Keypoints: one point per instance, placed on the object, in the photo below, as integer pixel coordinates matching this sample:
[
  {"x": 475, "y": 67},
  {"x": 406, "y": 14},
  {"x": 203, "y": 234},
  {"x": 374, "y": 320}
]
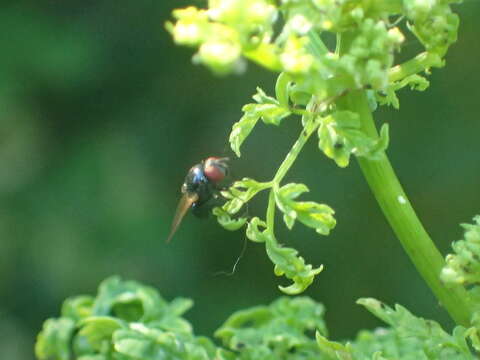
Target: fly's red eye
[{"x": 215, "y": 169}]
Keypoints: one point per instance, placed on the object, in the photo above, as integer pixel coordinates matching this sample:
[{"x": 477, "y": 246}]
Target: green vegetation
[{"x": 331, "y": 88}]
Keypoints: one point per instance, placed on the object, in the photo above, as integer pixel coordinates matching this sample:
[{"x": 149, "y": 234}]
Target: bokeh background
[{"x": 100, "y": 118}]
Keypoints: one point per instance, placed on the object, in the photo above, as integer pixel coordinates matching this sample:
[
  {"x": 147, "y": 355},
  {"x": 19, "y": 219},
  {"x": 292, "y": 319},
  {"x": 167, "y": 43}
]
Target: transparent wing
[{"x": 184, "y": 204}]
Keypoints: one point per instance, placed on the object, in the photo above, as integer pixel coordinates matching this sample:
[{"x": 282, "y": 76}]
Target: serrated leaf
[
  {"x": 240, "y": 193},
  {"x": 289, "y": 221},
  {"x": 317, "y": 216},
  {"x": 253, "y": 230},
  {"x": 97, "y": 329},
  {"x": 332, "y": 349},
  {"x": 267, "y": 108},
  {"x": 389, "y": 96},
  {"x": 292, "y": 191},
  {"x": 53, "y": 342},
  {"x": 262, "y": 98},
  {"x": 128, "y": 300},
  {"x": 377, "y": 151},
  {"x": 78, "y": 307},
  {"x": 179, "y": 306},
  {"x": 245, "y": 189},
  {"x": 156, "y": 332},
  {"x": 141, "y": 342},
  {"x": 144, "y": 343},
  {"x": 226, "y": 221},
  {"x": 340, "y": 136},
  {"x": 276, "y": 331},
  {"x": 415, "y": 336},
  {"x": 272, "y": 114},
  {"x": 299, "y": 95},
  {"x": 288, "y": 263},
  {"x": 241, "y": 130}
]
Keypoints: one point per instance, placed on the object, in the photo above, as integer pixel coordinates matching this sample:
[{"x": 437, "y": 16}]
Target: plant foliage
[
  {"x": 129, "y": 321},
  {"x": 289, "y": 37},
  {"x": 329, "y": 87}
]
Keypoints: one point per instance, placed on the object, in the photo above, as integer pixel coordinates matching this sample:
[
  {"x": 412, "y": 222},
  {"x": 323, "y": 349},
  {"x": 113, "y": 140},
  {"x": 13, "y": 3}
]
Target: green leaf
[
  {"x": 53, "y": 342},
  {"x": 253, "y": 230},
  {"x": 262, "y": 98},
  {"x": 411, "y": 337},
  {"x": 389, "y": 96},
  {"x": 98, "y": 329},
  {"x": 381, "y": 145},
  {"x": 317, "y": 216},
  {"x": 340, "y": 136},
  {"x": 288, "y": 263},
  {"x": 94, "y": 357},
  {"x": 282, "y": 88},
  {"x": 139, "y": 324},
  {"x": 78, "y": 307},
  {"x": 179, "y": 306},
  {"x": 267, "y": 108},
  {"x": 242, "y": 129},
  {"x": 332, "y": 349},
  {"x": 272, "y": 114},
  {"x": 140, "y": 342},
  {"x": 300, "y": 94},
  {"x": 128, "y": 300},
  {"x": 226, "y": 221},
  {"x": 277, "y": 331},
  {"x": 240, "y": 193},
  {"x": 145, "y": 343}
]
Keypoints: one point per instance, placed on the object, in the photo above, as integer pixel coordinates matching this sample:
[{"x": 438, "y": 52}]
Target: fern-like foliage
[
  {"x": 289, "y": 37},
  {"x": 130, "y": 321}
]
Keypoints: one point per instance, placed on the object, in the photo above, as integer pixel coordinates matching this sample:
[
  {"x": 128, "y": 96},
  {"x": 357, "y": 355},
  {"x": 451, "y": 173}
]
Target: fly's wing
[{"x": 185, "y": 203}]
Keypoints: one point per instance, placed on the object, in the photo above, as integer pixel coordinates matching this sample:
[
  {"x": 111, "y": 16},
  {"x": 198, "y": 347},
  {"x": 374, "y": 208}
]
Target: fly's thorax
[
  {"x": 198, "y": 184},
  {"x": 195, "y": 177}
]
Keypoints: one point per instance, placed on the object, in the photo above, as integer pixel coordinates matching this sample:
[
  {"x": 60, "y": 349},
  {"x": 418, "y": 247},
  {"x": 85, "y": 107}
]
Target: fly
[{"x": 200, "y": 185}]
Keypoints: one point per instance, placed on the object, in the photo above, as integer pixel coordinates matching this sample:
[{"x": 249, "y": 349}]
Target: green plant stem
[
  {"x": 310, "y": 126},
  {"x": 402, "y": 218},
  {"x": 419, "y": 63},
  {"x": 271, "y": 213},
  {"x": 287, "y": 163}
]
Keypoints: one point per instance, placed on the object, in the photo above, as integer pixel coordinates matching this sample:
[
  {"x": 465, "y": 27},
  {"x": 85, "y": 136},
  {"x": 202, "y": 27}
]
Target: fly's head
[{"x": 215, "y": 168}]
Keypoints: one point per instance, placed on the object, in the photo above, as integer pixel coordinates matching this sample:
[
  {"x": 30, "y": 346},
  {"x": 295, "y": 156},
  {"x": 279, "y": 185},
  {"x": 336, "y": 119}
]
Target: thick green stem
[{"x": 402, "y": 218}]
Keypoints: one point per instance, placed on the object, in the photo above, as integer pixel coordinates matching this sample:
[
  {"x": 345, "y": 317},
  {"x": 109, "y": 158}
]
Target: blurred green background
[{"x": 100, "y": 118}]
